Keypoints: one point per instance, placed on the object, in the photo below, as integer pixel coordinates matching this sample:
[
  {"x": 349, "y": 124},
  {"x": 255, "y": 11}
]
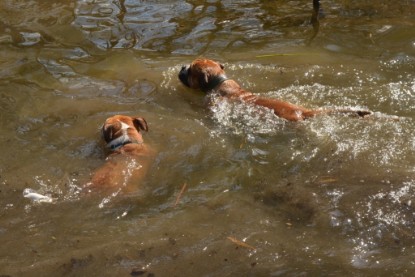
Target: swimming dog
[
  {"x": 130, "y": 157},
  {"x": 209, "y": 76}
]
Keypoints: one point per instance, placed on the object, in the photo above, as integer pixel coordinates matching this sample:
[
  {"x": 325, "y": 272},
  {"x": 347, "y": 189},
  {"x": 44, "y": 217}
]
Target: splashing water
[
  {"x": 241, "y": 118},
  {"x": 132, "y": 165}
]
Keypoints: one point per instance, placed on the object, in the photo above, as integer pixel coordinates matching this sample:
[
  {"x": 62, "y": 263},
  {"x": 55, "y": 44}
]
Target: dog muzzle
[{"x": 184, "y": 75}]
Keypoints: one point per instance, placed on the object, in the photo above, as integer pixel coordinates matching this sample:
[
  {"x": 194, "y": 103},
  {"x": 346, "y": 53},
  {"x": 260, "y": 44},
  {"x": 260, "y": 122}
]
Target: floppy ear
[
  {"x": 203, "y": 80},
  {"x": 205, "y": 76},
  {"x": 140, "y": 123}
]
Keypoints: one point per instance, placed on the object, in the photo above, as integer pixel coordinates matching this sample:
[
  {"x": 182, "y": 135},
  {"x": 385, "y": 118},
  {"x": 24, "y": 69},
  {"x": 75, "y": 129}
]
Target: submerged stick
[
  {"x": 241, "y": 243},
  {"x": 315, "y": 20},
  {"x": 180, "y": 194}
]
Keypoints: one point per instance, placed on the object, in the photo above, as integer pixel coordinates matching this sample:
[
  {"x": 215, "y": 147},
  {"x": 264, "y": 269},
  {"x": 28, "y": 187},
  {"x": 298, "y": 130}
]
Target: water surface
[{"x": 264, "y": 197}]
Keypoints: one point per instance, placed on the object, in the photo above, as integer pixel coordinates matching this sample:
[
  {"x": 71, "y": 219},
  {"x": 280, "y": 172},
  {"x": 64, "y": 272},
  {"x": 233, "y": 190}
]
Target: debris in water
[
  {"x": 180, "y": 194},
  {"x": 140, "y": 272},
  {"x": 241, "y": 243},
  {"x": 36, "y": 197},
  {"x": 328, "y": 180}
]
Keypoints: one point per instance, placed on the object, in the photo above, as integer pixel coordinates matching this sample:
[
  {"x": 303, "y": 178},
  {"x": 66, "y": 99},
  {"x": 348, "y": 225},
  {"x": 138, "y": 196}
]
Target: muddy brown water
[{"x": 264, "y": 197}]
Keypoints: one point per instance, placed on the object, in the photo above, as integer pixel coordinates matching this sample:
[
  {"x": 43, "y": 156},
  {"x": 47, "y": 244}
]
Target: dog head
[
  {"x": 202, "y": 74},
  {"x": 120, "y": 130}
]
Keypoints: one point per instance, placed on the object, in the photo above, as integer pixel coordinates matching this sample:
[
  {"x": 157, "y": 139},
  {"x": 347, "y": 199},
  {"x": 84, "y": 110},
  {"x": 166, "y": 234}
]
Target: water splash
[
  {"x": 242, "y": 118},
  {"x": 400, "y": 197},
  {"x": 108, "y": 199},
  {"x": 169, "y": 82},
  {"x": 378, "y": 140},
  {"x": 131, "y": 166},
  {"x": 382, "y": 218}
]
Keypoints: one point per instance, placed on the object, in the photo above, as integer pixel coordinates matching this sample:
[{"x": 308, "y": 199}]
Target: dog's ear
[
  {"x": 203, "y": 80},
  {"x": 205, "y": 76},
  {"x": 140, "y": 123},
  {"x": 221, "y": 66}
]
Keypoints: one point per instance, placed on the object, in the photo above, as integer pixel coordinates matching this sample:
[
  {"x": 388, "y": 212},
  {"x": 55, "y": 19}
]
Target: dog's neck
[
  {"x": 122, "y": 140},
  {"x": 214, "y": 82}
]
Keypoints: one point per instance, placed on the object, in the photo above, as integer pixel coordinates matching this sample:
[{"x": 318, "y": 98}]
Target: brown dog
[
  {"x": 209, "y": 76},
  {"x": 130, "y": 157}
]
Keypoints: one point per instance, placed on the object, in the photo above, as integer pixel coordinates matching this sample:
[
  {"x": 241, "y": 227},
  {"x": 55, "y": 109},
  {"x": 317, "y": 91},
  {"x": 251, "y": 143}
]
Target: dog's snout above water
[{"x": 183, "y": 75}]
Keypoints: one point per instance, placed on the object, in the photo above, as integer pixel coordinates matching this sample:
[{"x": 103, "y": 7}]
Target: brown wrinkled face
[
  {"x": 121, "y": 125},
  {"x": 199, "y": 73}
]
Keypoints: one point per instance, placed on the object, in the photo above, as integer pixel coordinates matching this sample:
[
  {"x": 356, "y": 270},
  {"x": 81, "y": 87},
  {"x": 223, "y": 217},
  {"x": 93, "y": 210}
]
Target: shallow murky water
[{"x": 263, "y": 197}]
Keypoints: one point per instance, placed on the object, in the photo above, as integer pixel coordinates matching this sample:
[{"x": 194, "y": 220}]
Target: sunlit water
[{"x": 263, "y": 197}]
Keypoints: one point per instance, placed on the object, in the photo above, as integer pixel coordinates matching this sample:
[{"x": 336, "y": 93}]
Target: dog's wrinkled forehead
[
  {"x": 116, "y": 123},
  {"x": 203, "y": 64},
  {"x": 114, "y": 127}
]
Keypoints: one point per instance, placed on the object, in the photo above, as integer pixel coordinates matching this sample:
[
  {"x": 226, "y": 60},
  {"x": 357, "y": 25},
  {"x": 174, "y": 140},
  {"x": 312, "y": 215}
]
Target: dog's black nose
[{"x": 184, "y": 74}]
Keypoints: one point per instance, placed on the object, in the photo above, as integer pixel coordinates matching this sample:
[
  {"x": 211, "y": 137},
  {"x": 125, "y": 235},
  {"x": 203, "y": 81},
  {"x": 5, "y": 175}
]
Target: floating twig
[
  {"x": 180, "y": 194},
  {"x": 282, "y": 54}
]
